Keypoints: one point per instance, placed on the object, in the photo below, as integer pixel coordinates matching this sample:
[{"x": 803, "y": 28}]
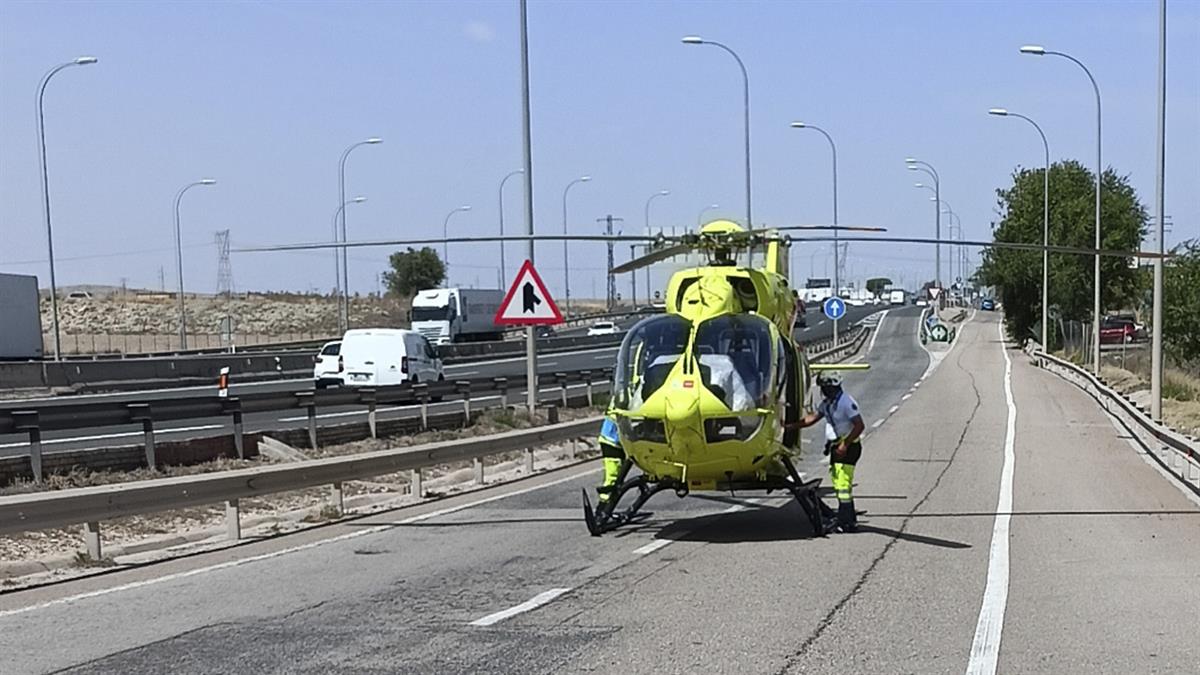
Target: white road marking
[
  {"x": 293, "y": 549},
  {"x": 877, "y": 424},
  {"x": 906, "y": 397},
  {"x": 530, "y": 604},
  {"x": 123, "y": 434},
  {"x": 875, "y": 335},
  {"x": 651, "y": 547},
  {"x": 892, "y": 410},
  {"x": 985, "y": 649}
]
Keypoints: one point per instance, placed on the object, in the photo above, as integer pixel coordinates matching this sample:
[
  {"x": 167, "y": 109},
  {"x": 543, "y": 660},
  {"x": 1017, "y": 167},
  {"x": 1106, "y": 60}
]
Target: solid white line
[
  {"x": 875, "y": 335},
  {"x": 533, "y": 603},
  {"x": 985, "y": 649},
  {"x": 123, "y": 434},
  {"x": 293, "y": 549}
]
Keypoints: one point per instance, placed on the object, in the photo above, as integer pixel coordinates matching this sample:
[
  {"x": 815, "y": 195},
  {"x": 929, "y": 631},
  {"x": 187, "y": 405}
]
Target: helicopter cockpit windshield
[
  {"x": 734, "y": 354},
  {"x": 648, "y": 354}
]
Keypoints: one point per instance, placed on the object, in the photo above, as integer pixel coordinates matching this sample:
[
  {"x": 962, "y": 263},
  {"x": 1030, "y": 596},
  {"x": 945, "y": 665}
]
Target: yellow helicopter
[{"x": 708, "y": 396}]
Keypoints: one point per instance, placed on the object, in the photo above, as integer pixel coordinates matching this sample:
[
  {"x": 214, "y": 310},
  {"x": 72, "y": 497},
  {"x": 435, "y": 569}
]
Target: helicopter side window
[
  {"x": 739, "y": 367},
  {"x": 648, "y": 354}
]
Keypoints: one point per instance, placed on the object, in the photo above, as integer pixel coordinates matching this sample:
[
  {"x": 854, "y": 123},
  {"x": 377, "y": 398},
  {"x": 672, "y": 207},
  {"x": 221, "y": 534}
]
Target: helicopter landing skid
[{"x": 604, "y": 517}]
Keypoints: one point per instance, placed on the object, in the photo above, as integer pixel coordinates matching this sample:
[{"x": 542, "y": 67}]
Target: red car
[{"x": 1117, "y": 331}]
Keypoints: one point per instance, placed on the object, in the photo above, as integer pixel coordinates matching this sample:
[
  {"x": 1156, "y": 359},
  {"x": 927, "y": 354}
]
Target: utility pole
[
  {"x": 1160, "y": 165},
  {"x": 531, "y": 369},
  {"x": 611, "y": 291}
]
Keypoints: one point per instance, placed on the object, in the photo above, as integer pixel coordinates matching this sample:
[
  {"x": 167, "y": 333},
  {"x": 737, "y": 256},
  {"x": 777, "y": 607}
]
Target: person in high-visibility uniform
[
  {"x": 840, "y": 411},
  {"x": 614, "y": 456}
]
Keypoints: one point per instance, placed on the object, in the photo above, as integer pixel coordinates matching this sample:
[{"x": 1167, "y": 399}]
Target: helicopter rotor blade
[
  {"x": 652, "y": 257},
  {"x": 627, "y": 238},
  {"x": 1012, "y": 245}
]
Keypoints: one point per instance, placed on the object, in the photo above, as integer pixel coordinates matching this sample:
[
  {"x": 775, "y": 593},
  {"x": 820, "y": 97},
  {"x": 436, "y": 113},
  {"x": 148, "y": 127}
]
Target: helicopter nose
[{"x": 683, "y": 424}]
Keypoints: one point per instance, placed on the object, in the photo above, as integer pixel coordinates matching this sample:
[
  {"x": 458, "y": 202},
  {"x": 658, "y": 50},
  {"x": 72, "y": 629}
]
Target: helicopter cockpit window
[
  {"x": 648, "y": 354},
  {"x": 734, "y": 353}
]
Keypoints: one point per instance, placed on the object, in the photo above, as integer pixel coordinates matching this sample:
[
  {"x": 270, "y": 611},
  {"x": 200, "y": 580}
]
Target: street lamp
[
  {"x": 660, "y": 193},
  {"x": 446, "y": 238},
  {"x": 917, "y": 165},
  {"x": 710, "y": 207},
  {"x": 566, "y": 264},
  {"x": 345, "y": 290},
  {"x": 179, "y": 258},
  {"x": 837, "y": 276},
  {"x": 695, "y": 40},
  {"x": 1001, "y": 112},
  {"x": 41, "y": 128},
  {"x": 337, "y": 264},
  {"x": 503, "y": 271},
  {"x": 1038, "y": 50}
]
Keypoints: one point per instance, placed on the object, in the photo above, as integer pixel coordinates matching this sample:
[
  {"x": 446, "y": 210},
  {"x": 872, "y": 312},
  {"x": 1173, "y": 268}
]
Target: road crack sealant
[{"x": 829, "y": 617}]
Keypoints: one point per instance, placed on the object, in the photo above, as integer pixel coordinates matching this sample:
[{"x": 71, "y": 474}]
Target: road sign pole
[{"x": 531, "y": 369}]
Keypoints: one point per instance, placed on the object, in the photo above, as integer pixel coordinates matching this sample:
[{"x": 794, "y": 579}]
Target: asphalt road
[{"x": 1098, "y": 563}]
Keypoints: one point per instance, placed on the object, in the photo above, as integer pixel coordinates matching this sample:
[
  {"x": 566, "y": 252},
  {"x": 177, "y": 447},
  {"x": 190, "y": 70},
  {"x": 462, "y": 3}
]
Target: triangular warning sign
[
  {"x": 528, "y": 302},
  {"x": 934, "y": 291}
]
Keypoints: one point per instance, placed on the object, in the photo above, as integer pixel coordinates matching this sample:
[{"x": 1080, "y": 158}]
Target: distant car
[
  {"x": 1139, "y": 329},
  {"x": 327, "y": 368},
  {"x": 544, "y": 332},
  {"x": 987, "y": 304},
  {"x": 1117, "y": 331},
  {"x": 376, "y": 357},
  {"x": 921, "y": 302},
  {"x": 603, "y": 328}
]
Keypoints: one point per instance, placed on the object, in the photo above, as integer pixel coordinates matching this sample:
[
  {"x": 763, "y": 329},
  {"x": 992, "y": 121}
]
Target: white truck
[
  {"x": 21, "y": 329},
  {"x": 897, "y": 296},
  {"x": 445, "y": 315}
]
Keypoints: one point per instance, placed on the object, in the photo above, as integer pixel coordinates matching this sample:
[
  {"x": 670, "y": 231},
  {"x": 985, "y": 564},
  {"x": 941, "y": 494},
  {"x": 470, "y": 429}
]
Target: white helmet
[{"x": 829, "y": 378}]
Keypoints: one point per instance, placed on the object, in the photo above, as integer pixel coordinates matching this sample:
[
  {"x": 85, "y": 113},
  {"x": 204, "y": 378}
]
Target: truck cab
[{"x": 446, "y": 315}]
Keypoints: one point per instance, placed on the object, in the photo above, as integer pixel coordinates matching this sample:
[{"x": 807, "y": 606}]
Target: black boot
[{"x": 847, "y": 516}]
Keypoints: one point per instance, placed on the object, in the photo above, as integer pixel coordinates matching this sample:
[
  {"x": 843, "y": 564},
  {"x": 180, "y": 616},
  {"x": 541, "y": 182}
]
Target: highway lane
[
  {"x": 52, "y": 441},
  {"x": 402, "y": 598},
  {"x": 1098, "y": 561},
  {"x": 17, "y": 444}
]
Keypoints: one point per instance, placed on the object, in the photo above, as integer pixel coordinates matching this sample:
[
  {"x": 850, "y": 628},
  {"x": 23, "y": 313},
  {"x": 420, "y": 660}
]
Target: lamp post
[
  {"x": 566, "y": 261},
  {"x": 837, "y": 272},
  {"x": 446, "y": 238},
  {"x": 660, "y": 193},
  {"x": 337, "y": 264},
  {"x": 41, "y": 129},
  {"x": 710, "y": 207},
  {"x": 1002, "y": 112},
  {"x": 695, "y": 40},
  {"x": 503, "y": 270},
  {"x": 345, "y": 289},
  {"x": 1038, "y": 50},
  {"x": 918, "y": 165},
  {"x": 179, "y": 258}
]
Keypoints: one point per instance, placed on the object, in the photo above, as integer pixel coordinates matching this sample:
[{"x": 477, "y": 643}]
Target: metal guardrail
[
  {"x": 1186, "y": 453},
  {"x": 91, "y": 505}
]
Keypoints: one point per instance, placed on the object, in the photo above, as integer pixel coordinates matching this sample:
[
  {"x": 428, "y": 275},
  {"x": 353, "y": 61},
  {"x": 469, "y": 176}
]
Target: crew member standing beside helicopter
[{"x": 840, "y": 411}]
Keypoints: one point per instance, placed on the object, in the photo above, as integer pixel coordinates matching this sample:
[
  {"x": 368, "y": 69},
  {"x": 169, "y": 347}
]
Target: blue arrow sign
[{"x": 835, "y": 308}]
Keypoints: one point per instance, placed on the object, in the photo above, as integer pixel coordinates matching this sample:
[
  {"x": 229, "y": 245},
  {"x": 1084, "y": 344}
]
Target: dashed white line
[
  {"x": 905, "y": 397},
  {"x": 985, "y": 649},
  {"x": 123, "y": 434},
  {"x": 877, "y": 424},
  {"x": 293, "y": 549},
  {"x": 651, "y": 547},
  {"x": 892, "y": 410},
  {"x": 530, "y": 604}
]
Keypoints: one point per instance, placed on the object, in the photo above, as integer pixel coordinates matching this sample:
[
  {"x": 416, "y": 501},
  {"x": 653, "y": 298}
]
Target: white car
[
  {"x": 327, "y": 368},
  {"x": 603, "y": 328},
  {"x": 375, "y": 357}
]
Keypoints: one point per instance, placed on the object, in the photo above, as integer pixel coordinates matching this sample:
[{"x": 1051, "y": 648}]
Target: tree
[
  {"x": 1017, "y": 275},
  {"x": 1181, "y": 303},
  {"x": 877, "y": 285},
  {"x": 413, "y": 271}
]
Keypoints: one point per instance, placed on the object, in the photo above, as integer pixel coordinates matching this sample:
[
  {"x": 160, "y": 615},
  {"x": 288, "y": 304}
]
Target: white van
[{"x": 375, "y": 357}]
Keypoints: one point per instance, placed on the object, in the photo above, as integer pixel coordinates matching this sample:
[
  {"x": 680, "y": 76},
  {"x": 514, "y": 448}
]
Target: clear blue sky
[{"x": 265, "y": 96}]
